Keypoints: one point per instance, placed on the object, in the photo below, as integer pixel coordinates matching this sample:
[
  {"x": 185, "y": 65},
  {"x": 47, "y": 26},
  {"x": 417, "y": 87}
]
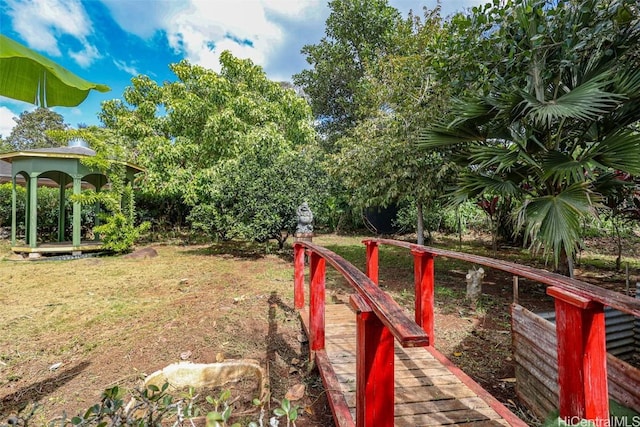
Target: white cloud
[
  {"x": 127, "y": 68},
  {"x": 144, "y": 17},
  {"x": 41, "y": 22},
  {"x": 6, "y": 121},
  {"x": 200, "y": 30},
  {"x": 85, "y": 57}
]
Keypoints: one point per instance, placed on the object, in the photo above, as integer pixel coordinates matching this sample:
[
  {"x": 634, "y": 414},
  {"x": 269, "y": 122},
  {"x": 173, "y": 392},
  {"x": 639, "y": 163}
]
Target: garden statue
[
  {"x": 474, "y": 285},
  {"x": 304, "y": 227}
]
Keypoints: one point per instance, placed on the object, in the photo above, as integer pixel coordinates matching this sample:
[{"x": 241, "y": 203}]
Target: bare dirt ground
[{"x": 70, "y": 329}]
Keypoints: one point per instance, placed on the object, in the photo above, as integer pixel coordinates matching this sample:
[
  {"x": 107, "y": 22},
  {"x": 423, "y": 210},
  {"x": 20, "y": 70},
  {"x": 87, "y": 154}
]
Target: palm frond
[
  {"x": 442, "y": 136},
  {"x": 562, "y": 168},
  {"x": 472, "y": 185},
  {"x": 628, "y": 83},
  {"x": 495, "y": 157},
  {"x": 588, "y": 101},
  {"x": 554, "y": 221},
  {"x": 470, "y": 112},
  {"x": 620, "y": 150}
]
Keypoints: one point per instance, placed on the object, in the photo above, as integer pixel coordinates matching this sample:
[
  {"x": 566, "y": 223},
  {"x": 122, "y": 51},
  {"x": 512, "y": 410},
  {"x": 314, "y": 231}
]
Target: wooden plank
[
  {"x": 374, "y": 368},
  {"x": 546, "y": 377},
  {"x": 539, "y": 399},
  {"x": 424, "y": 385},
  {"x": 348, "y": 381},
  {"x": 537, "y": 379},
  {"x": 317, "y": 324},
  {"x": 529, "y": 355},
  {"x": 447, "y": 418},
  {"x": 344, "y": 348},
  {"x": 437, "y": 375},
  {"x": 624, "y": 382},
  {"x": 488, "y": 423},
  {"x": 463, "y": 403},
  {"x": 341, "y": 414},
  {"x": 539, "y": 332},
  {"x": 423, "y": 394},
  {"x": 428, "y": 368},
  {"x": 482, "y": 393}
]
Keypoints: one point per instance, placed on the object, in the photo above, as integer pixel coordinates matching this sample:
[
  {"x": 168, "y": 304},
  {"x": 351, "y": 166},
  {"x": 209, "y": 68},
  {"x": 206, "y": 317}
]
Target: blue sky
[{"x": 110, "y": 41}]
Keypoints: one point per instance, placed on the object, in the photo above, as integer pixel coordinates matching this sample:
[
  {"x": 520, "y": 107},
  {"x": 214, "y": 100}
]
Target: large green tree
[
  {"x": 231, "y": 144},
  {"x": 378, "y": 160},
  {"x": 557, "y": 115},
  {"x": 357, "y": 33},
  {"x": 30, "y": 129}
]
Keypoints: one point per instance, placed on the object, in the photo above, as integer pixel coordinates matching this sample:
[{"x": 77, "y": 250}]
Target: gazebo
[{"x": 62, "y": 165}]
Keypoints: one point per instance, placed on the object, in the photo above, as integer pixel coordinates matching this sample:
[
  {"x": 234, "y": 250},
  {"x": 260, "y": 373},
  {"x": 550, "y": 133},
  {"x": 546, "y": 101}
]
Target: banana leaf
[{"x": 27, "y": 76}]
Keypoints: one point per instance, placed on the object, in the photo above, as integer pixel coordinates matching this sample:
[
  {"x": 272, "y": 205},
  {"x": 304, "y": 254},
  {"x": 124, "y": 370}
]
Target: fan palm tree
[{"x": 558, "y": 119}]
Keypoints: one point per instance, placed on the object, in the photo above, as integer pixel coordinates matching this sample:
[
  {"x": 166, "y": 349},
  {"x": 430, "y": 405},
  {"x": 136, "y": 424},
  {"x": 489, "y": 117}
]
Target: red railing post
[
  {"x": 372, "y": 260},
  {"x": 582, "y": 357},
  {"x": 423, "y": 270},
  {"x": 298, "y": 276},
  {"x": 316, "y": 301},
  {"x": 375, "y": 387}
]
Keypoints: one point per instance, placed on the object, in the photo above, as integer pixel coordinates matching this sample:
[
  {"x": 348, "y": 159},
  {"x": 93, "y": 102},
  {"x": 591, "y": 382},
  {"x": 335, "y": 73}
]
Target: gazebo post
[
  {"x": 61, "y": 209},
  {"x": 77, "y": 211},
  {"x": 33, "y": 210},
  {"x": 14, "y": 202}
]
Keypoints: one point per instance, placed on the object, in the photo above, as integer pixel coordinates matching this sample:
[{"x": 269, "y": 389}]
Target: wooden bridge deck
[{"x": 429, "y": 389}]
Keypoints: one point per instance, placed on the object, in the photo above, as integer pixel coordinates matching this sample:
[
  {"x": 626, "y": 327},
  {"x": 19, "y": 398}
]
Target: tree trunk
[
  {"x": 494, "y": 236},
  {"x": 565, "y": 267},
  {"x": 420, "y": 225},
  {"x": 619, "y": 246}
]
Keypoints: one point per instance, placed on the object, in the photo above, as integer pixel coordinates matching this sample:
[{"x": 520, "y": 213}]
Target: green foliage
[
  {"x": 357, "y": 33},
  {"x": 164, "y": 213},
  {"x": 30, "y": 130},
  {"x": 221, "y": 413},
  {"x": 48, "y": 210},
  {"x": 256, "y": 197},
  {"x": 372, "y": 116},
  {"x": 463, "y": 217},
  {"x": 119, "y": 229},
  {"x": 5, "y": 203},
  {"x": 287, "y": 410},
  {"x": 155, "y": 407},
  {"x": 236, "y": 148},
  {"x": 554, "y": 113}
]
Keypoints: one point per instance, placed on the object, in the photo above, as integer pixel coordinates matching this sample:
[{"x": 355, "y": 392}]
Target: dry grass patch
[{"x": 70, "y": 329}]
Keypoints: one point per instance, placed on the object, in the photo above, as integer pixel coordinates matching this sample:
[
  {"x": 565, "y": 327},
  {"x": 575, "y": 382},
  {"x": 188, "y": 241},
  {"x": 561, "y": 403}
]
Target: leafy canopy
[{"x": 231, "y": 144}]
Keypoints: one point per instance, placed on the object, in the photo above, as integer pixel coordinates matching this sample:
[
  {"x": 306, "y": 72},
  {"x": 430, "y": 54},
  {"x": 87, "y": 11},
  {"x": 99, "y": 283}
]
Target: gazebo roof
[
  {"x": 55, "y": 152},
  {"x": 69, "y": 152}
]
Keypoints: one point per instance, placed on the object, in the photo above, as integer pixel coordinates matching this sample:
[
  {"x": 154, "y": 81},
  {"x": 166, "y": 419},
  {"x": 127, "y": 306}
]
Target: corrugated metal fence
[{"x": 623, "y": 330}]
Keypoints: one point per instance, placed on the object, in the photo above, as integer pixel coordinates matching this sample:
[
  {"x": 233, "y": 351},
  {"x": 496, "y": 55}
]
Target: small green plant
[
  {"x": 155, "y": 407},
  {"x": 287, "y": 410},
  {"x": 221, "y": 410}
]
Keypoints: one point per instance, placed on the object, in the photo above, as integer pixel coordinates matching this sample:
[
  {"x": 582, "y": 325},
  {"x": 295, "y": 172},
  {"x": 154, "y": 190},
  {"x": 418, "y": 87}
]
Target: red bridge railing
[
  {"x": 580, "y": 322},
  {"x": 379, "y": 319}
]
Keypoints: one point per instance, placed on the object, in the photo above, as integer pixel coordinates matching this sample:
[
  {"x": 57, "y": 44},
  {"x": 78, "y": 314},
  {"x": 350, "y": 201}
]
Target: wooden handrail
[
  {"x": 580, "y": 324},
  {"x": 403, "y": 328},
  {"x": 609, "y": 298}
]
